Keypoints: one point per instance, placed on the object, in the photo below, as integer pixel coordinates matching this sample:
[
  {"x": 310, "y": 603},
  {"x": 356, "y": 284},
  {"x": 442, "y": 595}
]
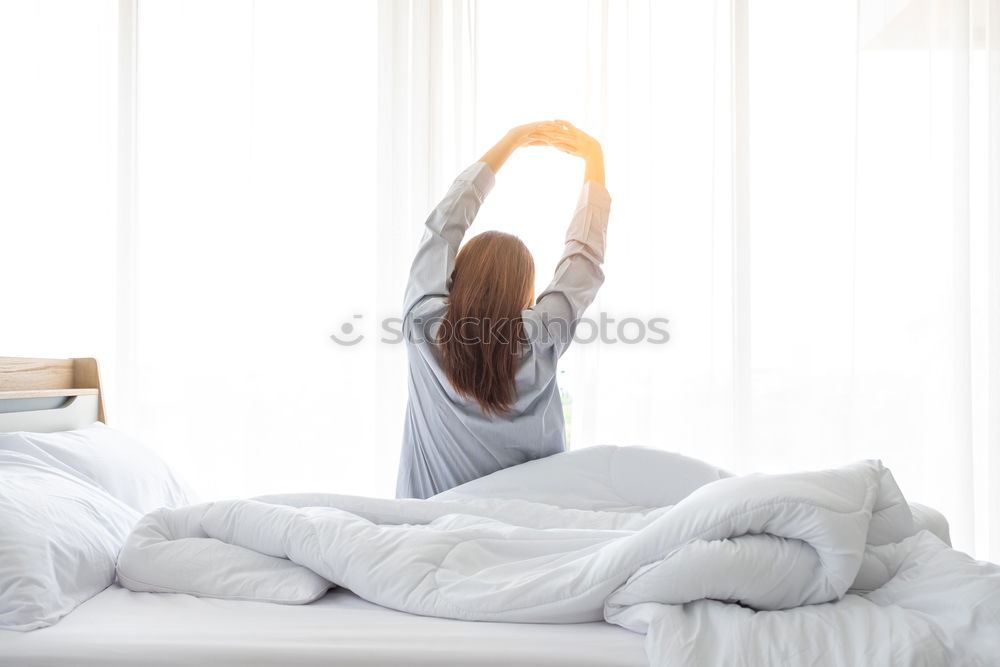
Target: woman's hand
[
  {"x": 572, "y": 140},
  {"x": 566, "y": 137},
  {"x": 535, "y": 134},
  {"x": 559, "y": 134},
  {"x": 522, "y": 135}
]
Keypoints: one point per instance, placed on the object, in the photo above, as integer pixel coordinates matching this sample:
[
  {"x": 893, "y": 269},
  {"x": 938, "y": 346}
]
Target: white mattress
[{"x": 119, "y": 627}]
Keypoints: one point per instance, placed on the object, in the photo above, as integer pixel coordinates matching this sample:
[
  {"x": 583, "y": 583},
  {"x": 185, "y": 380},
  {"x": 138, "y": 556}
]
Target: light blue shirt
[{"x": 447, "y": 439}]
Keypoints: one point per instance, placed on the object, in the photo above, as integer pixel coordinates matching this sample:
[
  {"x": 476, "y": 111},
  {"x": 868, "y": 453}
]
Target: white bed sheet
[{"x": 119, "y": 627}]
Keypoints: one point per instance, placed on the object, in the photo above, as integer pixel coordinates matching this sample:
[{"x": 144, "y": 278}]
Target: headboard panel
[{"x": 49, "y": 394}]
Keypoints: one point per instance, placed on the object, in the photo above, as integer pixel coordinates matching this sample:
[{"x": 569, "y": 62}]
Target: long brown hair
[{"x": 481, "y": 336}]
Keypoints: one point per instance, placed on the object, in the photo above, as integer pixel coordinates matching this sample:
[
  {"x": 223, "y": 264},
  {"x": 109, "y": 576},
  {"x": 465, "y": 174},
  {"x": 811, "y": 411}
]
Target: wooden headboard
[{"x": 76, "y": 381}]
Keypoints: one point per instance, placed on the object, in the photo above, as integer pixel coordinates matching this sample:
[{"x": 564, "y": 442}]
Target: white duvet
[{"x": 815, "y": 568}]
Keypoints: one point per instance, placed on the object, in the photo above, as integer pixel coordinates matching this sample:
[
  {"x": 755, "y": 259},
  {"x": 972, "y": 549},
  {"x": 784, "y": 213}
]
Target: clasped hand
[{"x": 559, "y": 134}]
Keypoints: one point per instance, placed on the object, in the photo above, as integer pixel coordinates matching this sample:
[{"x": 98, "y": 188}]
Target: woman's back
[{"x": 448, "y": 438}]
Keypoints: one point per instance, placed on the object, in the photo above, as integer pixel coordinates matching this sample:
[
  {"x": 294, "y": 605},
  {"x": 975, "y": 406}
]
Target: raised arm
[
  {"x": 430, "y": 273},
  {"x": 552, "y": 321}
]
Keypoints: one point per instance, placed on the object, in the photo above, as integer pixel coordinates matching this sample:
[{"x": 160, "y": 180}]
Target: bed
[
  {"x": 687, "y": 563},
  {"x": 121, "y": 627}
]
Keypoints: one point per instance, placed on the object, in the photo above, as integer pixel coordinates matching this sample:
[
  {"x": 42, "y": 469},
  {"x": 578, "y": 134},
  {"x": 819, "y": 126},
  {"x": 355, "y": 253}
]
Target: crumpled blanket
[{"x": 812, "y": 568}]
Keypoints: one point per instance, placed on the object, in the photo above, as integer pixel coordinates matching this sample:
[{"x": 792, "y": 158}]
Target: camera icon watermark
[{"x": 348, "y": 333}]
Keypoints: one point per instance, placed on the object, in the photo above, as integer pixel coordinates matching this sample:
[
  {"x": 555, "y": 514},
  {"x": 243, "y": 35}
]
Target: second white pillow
[{"x": 109, "y": 459}]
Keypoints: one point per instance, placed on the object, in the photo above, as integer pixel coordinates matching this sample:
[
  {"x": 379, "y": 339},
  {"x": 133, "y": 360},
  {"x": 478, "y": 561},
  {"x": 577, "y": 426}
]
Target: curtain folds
[{"x": 925, "y": 338}]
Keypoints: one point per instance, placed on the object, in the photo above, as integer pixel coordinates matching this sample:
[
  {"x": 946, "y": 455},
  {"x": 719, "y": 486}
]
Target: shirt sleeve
[
  {"x": 430, "y": 273},
  {"x": 552, "y": 320}
]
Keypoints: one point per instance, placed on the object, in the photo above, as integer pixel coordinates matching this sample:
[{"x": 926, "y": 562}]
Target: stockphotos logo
[
  {"x": 349, "y": 333},
  {"x": 474, "y": 331}
]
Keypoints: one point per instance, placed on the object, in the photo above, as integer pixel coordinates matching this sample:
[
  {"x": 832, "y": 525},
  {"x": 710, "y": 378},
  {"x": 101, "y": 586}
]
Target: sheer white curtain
[
  {"x": 807, "y": 192},
  {"x": 255, "y": 239},
  {"x": 58, "y": 71},
  {"x": 927, "y": 323}
]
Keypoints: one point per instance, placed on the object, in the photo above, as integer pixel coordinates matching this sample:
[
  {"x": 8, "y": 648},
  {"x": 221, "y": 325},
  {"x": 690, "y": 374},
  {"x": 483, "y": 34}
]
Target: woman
[{"x": 482, "y": 359}]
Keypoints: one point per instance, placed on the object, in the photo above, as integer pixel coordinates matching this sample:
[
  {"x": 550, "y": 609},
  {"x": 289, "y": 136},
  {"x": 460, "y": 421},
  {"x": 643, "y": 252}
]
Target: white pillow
[
  {"x": 602, "y": 478},
  {"x": 59, "y": 538},
  {"x": 110, "y": 460}
]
